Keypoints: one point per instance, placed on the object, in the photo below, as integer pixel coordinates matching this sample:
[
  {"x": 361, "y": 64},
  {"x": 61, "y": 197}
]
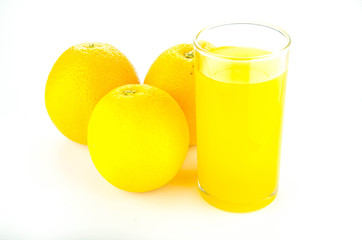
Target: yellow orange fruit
[
  {"x": 173, "y": 71},
  {"x": 80, "y": 77},
  {"x": 138, "y": 137}
]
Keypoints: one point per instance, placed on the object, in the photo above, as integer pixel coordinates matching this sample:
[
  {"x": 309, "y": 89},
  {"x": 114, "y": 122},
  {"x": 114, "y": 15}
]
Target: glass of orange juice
[{"x": 241, "y": 71}]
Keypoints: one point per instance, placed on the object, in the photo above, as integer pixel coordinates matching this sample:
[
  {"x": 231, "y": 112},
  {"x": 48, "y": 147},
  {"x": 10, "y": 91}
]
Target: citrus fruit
[
  {"x": 80, "y": 77},
  {"x": 138, "y": 137},
  {"x": 173, "y": 71}
]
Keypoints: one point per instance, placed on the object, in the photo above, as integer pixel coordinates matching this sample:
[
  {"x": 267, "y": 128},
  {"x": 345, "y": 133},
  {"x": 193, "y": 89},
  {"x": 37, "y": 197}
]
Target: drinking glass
[{"x": 241, "y": 71}]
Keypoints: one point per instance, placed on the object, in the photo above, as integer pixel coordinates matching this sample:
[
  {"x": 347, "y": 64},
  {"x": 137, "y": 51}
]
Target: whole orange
[
  {"x": 80, "y": 77},
  {"x": 138, "y": 137},
  {"x": 173, "y": 72}
]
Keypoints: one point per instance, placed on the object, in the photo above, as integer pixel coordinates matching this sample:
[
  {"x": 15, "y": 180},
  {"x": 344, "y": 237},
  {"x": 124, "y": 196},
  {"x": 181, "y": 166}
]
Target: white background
[{"x": 49, "y": 188}]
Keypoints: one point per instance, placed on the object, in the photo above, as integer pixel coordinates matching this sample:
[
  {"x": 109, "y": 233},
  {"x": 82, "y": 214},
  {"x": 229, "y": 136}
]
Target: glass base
[{"x": 236, "y": 207}]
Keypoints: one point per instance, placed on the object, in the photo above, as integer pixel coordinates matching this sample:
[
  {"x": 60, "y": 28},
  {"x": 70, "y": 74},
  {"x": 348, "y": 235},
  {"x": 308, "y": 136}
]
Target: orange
[
  {"x": 81, "y": 76},
  {"x": 173, "y": 71},
  {"x": 138, "y": 137}
]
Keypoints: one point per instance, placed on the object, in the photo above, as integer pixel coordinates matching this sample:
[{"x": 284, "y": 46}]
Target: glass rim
[{"x": 275, "y": 28}]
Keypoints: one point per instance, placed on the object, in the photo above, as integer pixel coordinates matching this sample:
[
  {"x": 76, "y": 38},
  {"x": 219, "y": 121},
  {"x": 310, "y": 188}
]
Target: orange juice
[{"x": 239, "y": 118}]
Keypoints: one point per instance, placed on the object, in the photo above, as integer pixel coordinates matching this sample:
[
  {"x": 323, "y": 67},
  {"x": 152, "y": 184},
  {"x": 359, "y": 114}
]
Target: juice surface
[{"x": 239, "y": 119}]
